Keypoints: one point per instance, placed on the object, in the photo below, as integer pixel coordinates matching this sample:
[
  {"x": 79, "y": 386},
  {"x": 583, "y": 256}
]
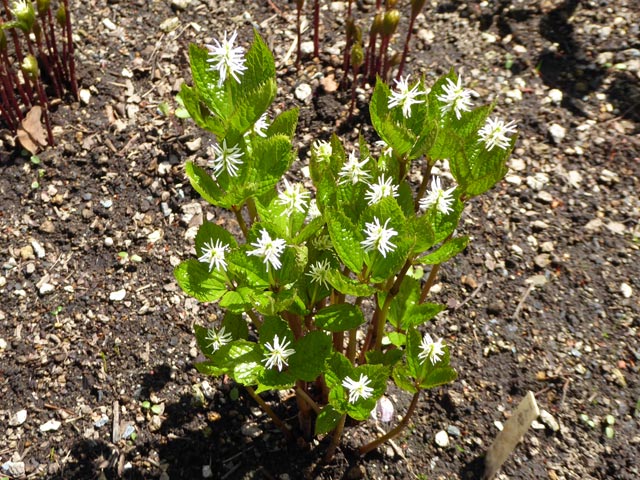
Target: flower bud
[
  {"x": 416, "y": 6},
  {"x": 394, "y": 61},
  {"x": 391, "y": 4},
  {"x": 357, "y": 55},
  {"x": 376, "y": 26},
  {"x": 30, "y": 66},
  {"x": 25, "y": 14},
  {"x": 61, "y": 15},
  {"x": 390, "y": 22},
  {"x": 43, "y": 6}
]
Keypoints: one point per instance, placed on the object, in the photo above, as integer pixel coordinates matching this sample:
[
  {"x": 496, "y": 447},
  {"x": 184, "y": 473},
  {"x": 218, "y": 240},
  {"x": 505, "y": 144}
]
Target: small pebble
[
  {"x": 303, "y": 92},
  {"x": 118, "y": 295},
  {"x": 51, "y": 425},
  {"x": 549, "y": 420},
  {"x": 108, "y": 241},
  {"x": 557, "y": 132},
  {"x": 18, "y": 418},
  {"x": 46, "y": 288},
  {"x": 555, "y": 96},
  {"x": 250, "y": 430},
  {"x": 15, "y": 469},
  {"x": 453, "y": 431},
  {"x": 442, "y": 439},
  {"x": 206, "y": 471},
  {"x": 38, "y": 249},
  {"x": 627, "y": 291}
]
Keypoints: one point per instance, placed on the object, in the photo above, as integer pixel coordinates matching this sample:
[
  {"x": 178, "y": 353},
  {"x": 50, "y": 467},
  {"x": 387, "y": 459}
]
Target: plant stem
[
  {"x": 426, "y": 174},
  {"x": 381, "y": 320},
  {"x": 335, "y": 439},
  {"x": 304, "y": 409},
  {"x": 316, "y": 28},
  {"x": 238, "y": 213},
  {"x": 70, "y": 60},
  {"x": 405, "y": 50},
  {"x": 363, "y": 450},
  {"x": 305, "y": 396},
  {"x": 427, "y": 286},
  {"x": 276, "y": 419}
]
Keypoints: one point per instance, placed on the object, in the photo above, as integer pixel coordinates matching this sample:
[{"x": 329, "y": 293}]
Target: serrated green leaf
[
  {"x": 269, "y": 159},
  {"x": 204, "y": 184},
  {"x": 209, "y": 368},
  {"x": 210, "y": 232},
  {"x": 284, "y": 124},
  {"x": 195, "y": 279},
  {"x": 423, "y": 233},
  {"x": 345, "y": 239},
  {"x": 327, "y": 420},
  {"x": 403, "y": 379},
  {"x": 397, "y": 339},
  {"x": 309, "y": 230},
  {"x": 339, "y": 318},
  {"x": 439, "y": 376},
  {"x": 446, "y": 251},
  {"x": 236, "y": 325},
  {"x": 311, "y": 352},
  {"x": 238, "y": 300},
  {"x": 349, "y": 286},
  {"x": 388, "y": 358},
  {"x": 389, "y": 127}
]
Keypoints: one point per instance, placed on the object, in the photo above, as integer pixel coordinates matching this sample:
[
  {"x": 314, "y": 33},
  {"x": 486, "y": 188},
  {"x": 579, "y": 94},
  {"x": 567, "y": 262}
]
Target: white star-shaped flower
[
  {"x": 278, "y": 353},
  {"x": 294, "y": 197},
  {"x": 405, "y": 97},
  {"x": 313, "y": 211},
  {"x": 261, "y": 125},
  {"x": 352, "y": 170},
  {"x": 378, "y": 236},
  {"x": 383, "y": 188},
  {"x": 270, "y": 250},
  {"x": 494, "y": 133},
  {"x": 318, "y": 272},
  {"x": 213, "y": 254},
  {"x": 385, "y": 149},
  {"x": 443, "y": 199},
  {"x": 430, "y": 349},
  {"x": 322, "y": 150},
  {"x": 358, "y": 389},
  {"x": 218, "y": 338},
  {"x": 456, "y": 97},
  {"x": 225, "y": 158},
  {"x": 226, "y": 59}
]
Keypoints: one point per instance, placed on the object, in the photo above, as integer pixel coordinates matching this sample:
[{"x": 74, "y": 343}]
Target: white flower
[
  {"x": 352, "y": 170},
  {"x": 278, "y": 353},
  {"x": 225, "y": 158},
  {"x": 404, "y": 97},
  {"x": 322, "y": 150},
  {"x": 214, "y": 255},
  {"x": 456, "y": 97},
  {"x": 294, "y": 197},
  {"x": 269, "y": 249},
  {"x": 261, "y": 125},
  {"x": 217, "y": 339},
  {"x": 384, "y": 188},
  {"x": 319, "y": 271},
  {"x": 225, "y": 58},
  {"x": 430, "y": 349},
  {"x": 359, "y": 389},
  {"x": 385, "y": 149},
  {"x": 494, "y": 132},
  {"x": 314, "y": 211},
  {"x": 378, "y": 237},
  {"x": 443, "y": 199}
]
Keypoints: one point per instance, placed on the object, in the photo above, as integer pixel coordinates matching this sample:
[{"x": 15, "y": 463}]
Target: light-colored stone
[
  {"x": 557, "y": 132},
  {"x": 303, "y": 92},
  {"x": 442, "y": 439},
  {"x": 118, "y": 295},
  {"x": 549, "y": 420},
  {"x": 627, "y": 291},
  {"x": 50, "y": 426},
  {"x": 18, "y": 418}
]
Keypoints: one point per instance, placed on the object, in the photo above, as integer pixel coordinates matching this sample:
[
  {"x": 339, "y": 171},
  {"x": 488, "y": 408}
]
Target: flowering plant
[{"x": 324, "y": 294}]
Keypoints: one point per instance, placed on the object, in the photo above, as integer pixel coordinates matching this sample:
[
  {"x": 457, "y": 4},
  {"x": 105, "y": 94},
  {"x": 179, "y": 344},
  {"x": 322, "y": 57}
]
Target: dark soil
[{"x": 545, "y": 299}]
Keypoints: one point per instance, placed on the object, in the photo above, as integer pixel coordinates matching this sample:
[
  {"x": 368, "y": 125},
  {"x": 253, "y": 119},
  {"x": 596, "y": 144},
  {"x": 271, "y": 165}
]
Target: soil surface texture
[{"x": 96, "y": 338}]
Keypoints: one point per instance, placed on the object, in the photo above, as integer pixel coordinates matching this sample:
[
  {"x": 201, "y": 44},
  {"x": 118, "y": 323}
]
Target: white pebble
[
  {"x": 557, "y": 132},
  {"x": 118, "y": 295},
  {"x": 626, "y": 290},
  {"x": 3, "y": 344},
  {"x": 109, "y": 24},
  {"x": 51, "y": 425},
  {"x": 38, "y": 249},
  {"x": 18, "y": 418},
  {"x": 517, "y": 249},
  {"x": 442, "y": 439},
  {"x": 85, "y": 96},
  {"x": 555, "y": 95},
  {"x": 108, "y": 241},
  {"x": 46, "y": 288},
  {"x": 303, "y": 92},
  {"x": 206, "y": 471}
]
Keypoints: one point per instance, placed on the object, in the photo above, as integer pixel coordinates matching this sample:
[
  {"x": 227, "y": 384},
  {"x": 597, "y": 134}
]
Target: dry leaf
[{"x": 31, "y": 133}]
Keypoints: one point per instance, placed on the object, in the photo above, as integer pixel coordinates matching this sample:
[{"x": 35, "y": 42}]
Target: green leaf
[
  {"x": 349, "y": 286},
  {"x": 195, "y": 279},
  {"x": 327, "y": 420},
  {"x": 236, "y": 325},
  {"x": 202, "y": 183},
  {"x": 284, "y": 124},
  {"x": 446, "y": 251},
  {"x": 345, "y": 239},
  {"x": 339, "y": 318},
  {"x": 238, "y": 300},
  {"x": 311, "y": 352},
  {"x": 211, "y": 369},
  {"x": 200, "y": 114},
  {"x": 309, "y": 230},
  {"x": 389, "y": 126},
  {"x": 423, "y": 233},
  {"x": 403, "y": 380},
  {"x": 439, "y": 376},
  {"x": 388, "y": 358},
  {"x": 210, "y": 232},
  {"x": 397, "y": 339},
  {"x": 269, "y": 159}
]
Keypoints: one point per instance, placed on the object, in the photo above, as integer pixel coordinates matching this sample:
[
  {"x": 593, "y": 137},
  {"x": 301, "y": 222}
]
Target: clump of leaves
[{"x": 324, "y": 292}]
